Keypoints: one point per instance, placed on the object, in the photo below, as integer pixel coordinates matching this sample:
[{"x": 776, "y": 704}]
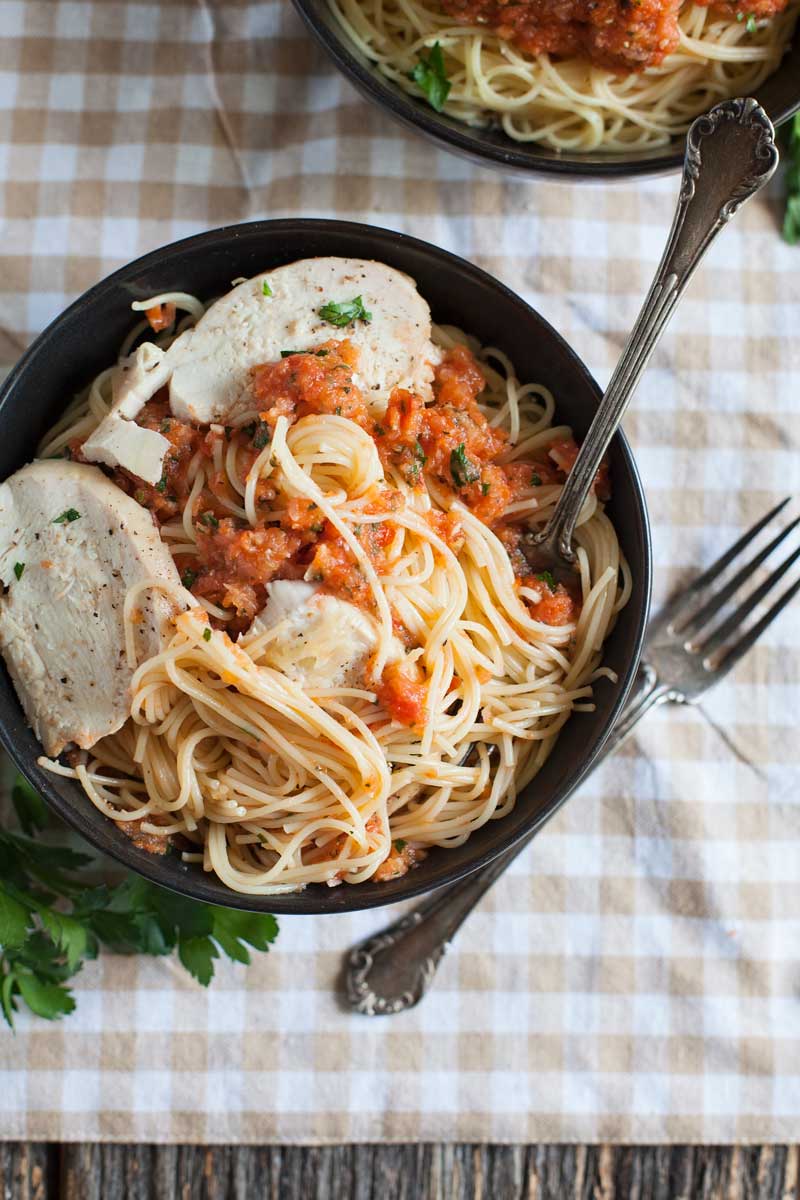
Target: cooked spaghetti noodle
[
  {"x": 568, "y": 102},
  {"x": 273, "y": 783}
]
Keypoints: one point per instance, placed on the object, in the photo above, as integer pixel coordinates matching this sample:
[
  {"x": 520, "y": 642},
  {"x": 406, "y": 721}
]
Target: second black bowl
[
  {"x": 779, "y": 95},
  {"x": 87, "y": 337}
]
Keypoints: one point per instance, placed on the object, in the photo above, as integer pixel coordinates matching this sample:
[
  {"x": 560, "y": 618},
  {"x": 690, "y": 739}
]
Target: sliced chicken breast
[
  {"x": 208, "y": 368},
  {"x": 118, "y": 440},
  {"x": 71, "y": 545},
  {"x": 320, "y": 641}
]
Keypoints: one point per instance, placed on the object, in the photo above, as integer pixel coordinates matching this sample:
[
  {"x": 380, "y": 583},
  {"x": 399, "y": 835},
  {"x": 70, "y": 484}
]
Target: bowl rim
[
  {"x": 89, "y": 822},
  {"x": 450, "y": 134}
]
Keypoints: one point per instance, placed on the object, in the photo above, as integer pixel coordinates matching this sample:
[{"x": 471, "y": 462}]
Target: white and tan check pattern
[{"x": 636, "y": 976}]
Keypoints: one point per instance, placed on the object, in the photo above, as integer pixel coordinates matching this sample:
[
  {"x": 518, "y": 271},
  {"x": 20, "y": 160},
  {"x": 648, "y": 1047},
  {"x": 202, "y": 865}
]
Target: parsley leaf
[
  {"x": 548, "y": 578},
  {"x": 69, "y": 514},
  {"x": 29, "y": 806},
  {"x": 208, "y": 518},
  {"x": 751, "y": 25},
  {"x": 14, "y": 919},
  {"x": 187, "y": 579},
  {"x": 266, "y": 290},
  {"x": 430, "y": 77},
  {"x": 791, "y": 221},
  {"x": 197, "y": 954},
  {"x": 536, "y": 479},
  {"x": 345, "y": 312},
  {"x": 18, "y": 569},
  {"x": 262, "y": 434},
  {"x": 462, "y": 470},
  {"x": 52, "y": 920},
  {"x": 48, "y": 1000},
  {"x": 206, "y": 635}
]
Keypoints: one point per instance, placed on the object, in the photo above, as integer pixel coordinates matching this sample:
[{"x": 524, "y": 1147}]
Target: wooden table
[{"x": 37, "y": 1171}]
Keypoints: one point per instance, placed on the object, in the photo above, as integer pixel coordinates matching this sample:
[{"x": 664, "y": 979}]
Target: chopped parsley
[
  {"x": 261, "y": 435},
  {"x": 536, "y": 480},
  {"x": 69, "y": 515},
  {"x": 462, "y": 470},
  {"x": 751, "y": 25},
  {"x": 18, "y": 569},
  {"x": 265, "y": 288},
  {"x": 420, "y": 454},
  {"x": 315, "y": 353},
  {"x": 165, "y": 426},
  {"x": 548, "y": 578},
  {"x": 486, "y": 488},
  {"x": 345, "y": 312},
  {"x": 399, "y": 846},
  {"x": 188, "y": 578},
  {"x": 431, "y": 78},
  {"x": 161, "y": 486},
  {"x": 206, "y": 635},
  {"x": 210, "y": 520},
  {"x": 791, "y": 220}
]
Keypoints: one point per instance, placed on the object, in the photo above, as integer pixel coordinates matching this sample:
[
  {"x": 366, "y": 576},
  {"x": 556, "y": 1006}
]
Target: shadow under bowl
[{"x": 86, "y": 338}]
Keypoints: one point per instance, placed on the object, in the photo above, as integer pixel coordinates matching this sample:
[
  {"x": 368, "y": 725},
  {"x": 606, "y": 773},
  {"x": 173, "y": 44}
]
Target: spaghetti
[
  {"x": 566, "y": 101},
  {"x": 408, "y": 521}
]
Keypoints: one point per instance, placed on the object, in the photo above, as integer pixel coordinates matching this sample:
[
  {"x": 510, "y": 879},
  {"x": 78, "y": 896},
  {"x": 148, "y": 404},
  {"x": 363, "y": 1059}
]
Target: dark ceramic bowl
[
  {"x": 86, "y": 338},
  {"x": 779, "y": 95}
]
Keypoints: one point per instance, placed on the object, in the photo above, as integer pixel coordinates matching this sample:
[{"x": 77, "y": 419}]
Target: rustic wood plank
[
  {"x": 409, "y": 1172},
  {"x": 28, "y": 1171}
]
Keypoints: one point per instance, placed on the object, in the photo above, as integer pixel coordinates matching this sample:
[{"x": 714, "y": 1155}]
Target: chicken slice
[
  {"x": 71, "y": 545},
  {"x": 208, "y": 368},
  {"x": 118, "y": 440},
  {"x": 322, "y": 641}
]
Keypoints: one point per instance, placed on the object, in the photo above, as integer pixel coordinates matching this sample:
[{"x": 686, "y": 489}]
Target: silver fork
[{"x": 690, "y": 646}]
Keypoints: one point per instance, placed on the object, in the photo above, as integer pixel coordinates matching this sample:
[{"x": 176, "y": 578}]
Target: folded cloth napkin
[{"x": 634, "y": 977}]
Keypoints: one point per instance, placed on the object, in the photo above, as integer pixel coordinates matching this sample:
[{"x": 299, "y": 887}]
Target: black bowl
[
  {"x": 779, "y": 95},
  {"x": 86, "y": 338}
]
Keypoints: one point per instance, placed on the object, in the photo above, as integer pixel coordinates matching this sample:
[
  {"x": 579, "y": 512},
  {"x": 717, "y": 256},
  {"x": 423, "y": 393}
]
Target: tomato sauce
[
  {"x": 316, "y": 381},
  {"x": 557, "y": 605},
  {"x": 623, "y": 35},
  {"x": 403, "y": 697},
  {"x": 450, "y": 439}
]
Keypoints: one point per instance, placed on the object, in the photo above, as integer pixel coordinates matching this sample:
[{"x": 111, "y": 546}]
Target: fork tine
[
  {"x": 684, "y": 600},
  {"x": 735, "y": 620},
  {"x": 698, "y": 620},
  {"x": 745, "y": 643}
]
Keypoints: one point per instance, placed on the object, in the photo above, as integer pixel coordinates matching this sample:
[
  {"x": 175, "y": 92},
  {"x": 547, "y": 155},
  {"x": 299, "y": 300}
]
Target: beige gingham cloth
[{"x": 636, "y": 975}]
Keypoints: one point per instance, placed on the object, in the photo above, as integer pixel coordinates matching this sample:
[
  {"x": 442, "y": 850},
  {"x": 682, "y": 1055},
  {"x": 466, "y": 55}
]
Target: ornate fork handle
[
  {"x": 391, "y": 971},
  {"x": 730, "y": 154}
]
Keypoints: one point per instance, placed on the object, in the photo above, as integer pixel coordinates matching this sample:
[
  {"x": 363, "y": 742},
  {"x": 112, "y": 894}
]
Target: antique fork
[
  {"x": 690, "y": 646},
  {"x": 730, "y": 155}
]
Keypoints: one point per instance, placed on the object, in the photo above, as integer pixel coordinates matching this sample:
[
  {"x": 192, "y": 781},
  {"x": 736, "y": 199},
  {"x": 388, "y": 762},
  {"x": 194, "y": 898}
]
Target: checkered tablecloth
[{"x": 636, "y": 976}]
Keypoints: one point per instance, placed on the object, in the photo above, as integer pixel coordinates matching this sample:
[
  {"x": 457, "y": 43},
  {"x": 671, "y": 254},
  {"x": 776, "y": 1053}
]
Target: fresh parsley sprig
[
  {"x": 791, "y": 220},
  {"x": 345, "y": 312},
  {"x": 431, "y": 78},
  {"x": 53, "y": 920}
]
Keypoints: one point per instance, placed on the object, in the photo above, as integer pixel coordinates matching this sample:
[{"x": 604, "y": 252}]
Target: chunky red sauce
[
  {"x": 403, "y": 697},
  {"x": 623, "y": 35},
  {"x": 450, "y": 441}
]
